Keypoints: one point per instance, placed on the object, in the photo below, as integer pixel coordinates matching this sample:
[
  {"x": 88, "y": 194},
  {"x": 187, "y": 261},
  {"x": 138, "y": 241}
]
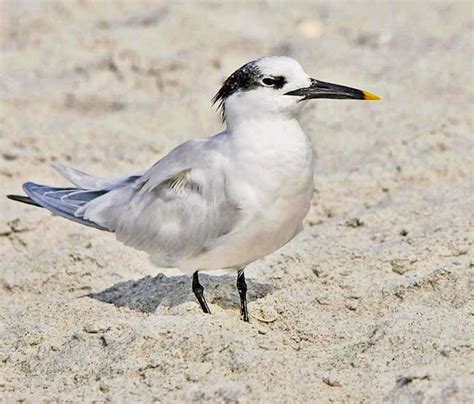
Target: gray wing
[
  {"x": 195, "y": 154},
  {"x": 175, "y": 210},
  {"x": 71, "y": 202}
]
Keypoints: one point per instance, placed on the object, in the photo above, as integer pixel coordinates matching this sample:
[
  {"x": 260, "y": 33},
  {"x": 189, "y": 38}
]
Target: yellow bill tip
[{"x": 370, "y": 97}]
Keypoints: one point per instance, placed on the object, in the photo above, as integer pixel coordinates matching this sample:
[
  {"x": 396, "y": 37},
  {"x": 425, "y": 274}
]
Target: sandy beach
[{"x": 372, "y": 302}]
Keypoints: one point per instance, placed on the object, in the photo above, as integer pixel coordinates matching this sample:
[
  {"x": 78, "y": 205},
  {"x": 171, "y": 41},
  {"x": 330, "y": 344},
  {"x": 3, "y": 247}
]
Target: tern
[{"x": 216, "y": 203}]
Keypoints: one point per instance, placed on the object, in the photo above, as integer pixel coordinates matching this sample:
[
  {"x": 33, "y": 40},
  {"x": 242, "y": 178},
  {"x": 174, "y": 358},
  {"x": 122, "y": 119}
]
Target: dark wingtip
[{"x": 23, "y": 199}]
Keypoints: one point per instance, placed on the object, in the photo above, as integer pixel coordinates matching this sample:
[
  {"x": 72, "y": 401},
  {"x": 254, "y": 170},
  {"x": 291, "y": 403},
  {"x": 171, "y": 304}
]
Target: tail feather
[
  {"x": 78, "y": 178},
  {"x": 63, "y": 202},
  {"x": 86, "y": 181},
  {"x": 72, "y": 202}
]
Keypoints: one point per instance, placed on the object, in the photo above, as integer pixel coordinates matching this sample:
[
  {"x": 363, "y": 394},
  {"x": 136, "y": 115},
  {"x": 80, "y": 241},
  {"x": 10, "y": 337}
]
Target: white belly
[
  {"x": 255, "y": 239},
  {"x": 273, "y": 187}
]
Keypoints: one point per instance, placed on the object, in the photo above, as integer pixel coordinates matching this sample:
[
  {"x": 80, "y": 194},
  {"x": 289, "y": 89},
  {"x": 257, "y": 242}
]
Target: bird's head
[{"x": 274, "y": 85}]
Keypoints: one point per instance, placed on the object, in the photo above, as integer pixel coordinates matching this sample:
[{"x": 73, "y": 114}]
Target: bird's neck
[
  {"x": 241, "y": 117},
  {"x": 268, "y": 133}
]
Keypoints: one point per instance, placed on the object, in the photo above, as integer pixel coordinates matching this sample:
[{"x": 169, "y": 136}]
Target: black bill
[{"x": 321, "y": 89}]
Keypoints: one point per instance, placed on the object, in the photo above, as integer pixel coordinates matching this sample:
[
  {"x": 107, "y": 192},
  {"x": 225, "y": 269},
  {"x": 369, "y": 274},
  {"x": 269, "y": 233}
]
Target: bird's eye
[{"x": 268, "y": 81}]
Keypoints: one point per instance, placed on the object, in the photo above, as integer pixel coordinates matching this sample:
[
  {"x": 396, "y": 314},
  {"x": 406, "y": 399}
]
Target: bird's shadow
[{"x": 148, "y": 293}]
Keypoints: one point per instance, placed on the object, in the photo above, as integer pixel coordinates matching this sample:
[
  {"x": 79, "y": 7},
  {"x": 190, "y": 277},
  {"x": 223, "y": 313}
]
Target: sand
[{"x": 372, "y": 302}]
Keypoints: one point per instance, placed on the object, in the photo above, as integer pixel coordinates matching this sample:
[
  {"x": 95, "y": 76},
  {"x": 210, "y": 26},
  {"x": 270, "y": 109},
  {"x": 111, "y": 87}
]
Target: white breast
[{"x": 271, "y": 180}]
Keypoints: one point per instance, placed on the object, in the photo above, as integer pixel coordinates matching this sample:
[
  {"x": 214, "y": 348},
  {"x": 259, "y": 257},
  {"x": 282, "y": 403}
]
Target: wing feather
[{"x": 177, "y": 208}]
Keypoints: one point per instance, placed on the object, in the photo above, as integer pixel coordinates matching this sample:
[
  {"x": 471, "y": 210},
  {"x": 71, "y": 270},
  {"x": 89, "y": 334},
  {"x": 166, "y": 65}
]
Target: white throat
[{"x": 251, "y": 106}]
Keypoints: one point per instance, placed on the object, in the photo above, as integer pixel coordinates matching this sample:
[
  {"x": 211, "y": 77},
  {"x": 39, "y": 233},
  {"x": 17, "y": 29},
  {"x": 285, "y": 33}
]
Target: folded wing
[{"x": 175, "y": 210}]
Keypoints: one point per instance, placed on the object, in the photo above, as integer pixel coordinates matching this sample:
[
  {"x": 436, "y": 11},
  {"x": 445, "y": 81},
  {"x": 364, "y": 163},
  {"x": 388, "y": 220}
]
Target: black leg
[
  {"x": 242, "y": 288},
  {"x": 199, "y": 293}
]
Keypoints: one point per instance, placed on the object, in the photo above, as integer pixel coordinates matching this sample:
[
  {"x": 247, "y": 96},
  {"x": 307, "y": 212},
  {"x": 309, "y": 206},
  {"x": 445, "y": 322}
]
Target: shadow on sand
[{"x": 148, "y": 293}]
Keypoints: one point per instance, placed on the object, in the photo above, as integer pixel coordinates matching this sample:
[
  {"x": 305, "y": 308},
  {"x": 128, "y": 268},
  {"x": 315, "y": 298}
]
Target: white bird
[{"x": 215, "y": 203}]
